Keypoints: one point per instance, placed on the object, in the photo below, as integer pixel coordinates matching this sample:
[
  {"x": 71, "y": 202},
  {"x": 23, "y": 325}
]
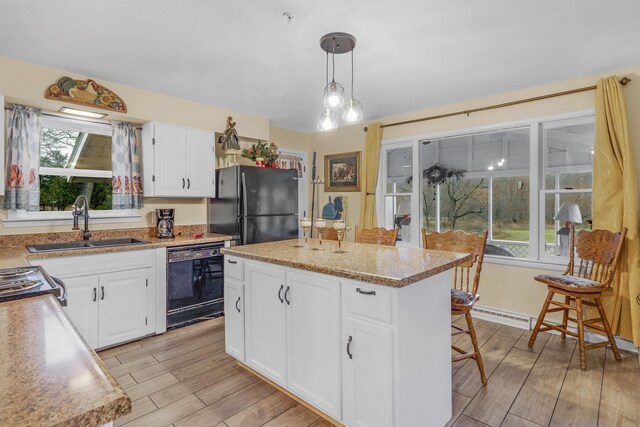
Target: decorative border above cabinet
[{"x": 177, "y": 161}]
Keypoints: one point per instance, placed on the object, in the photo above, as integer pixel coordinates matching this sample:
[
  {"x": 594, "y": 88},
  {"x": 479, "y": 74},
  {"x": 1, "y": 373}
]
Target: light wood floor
[{"x": 184, "y": 378}]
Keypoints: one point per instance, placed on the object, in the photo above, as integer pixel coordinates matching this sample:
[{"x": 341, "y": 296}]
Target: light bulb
[
  {"x": 490, "y": 167},
  {"x": 333, "y": 95},
  {"x": 501, "y": 162},
  {"x": 352, "y": 111},
  {"x": 327, "y": 120}
]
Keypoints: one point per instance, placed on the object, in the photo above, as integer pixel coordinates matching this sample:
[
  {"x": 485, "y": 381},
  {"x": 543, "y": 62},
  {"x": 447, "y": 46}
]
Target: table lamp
[{"x": 569, "y": 213}]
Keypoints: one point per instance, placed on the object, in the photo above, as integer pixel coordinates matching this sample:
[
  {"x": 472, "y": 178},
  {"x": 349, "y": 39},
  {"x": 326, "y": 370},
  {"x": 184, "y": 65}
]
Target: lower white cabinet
[
  {"x": 82, "y": 307},
  {"x": 367, "y": 374},
  {"x": 313, "y": 340},
  {"x": 266, "y": 321},
  {"x": 122, "y": 307},
  {"x": 111, "y": 298},
  {"x": 234, "y": 318}
]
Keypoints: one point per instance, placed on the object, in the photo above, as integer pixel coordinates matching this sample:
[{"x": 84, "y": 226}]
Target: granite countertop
[
  {"x": 49, "y": 375},
  {"x": 382, "y": 265},
  {"x": 17, "y": 254}
]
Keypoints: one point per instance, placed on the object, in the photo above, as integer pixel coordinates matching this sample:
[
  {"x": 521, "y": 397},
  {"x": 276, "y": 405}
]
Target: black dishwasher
[{"x": 195, "y": 283}]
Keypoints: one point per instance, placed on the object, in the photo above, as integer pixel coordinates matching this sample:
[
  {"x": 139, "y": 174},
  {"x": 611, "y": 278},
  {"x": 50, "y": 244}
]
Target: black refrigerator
[{"x": 255, "y": 205}]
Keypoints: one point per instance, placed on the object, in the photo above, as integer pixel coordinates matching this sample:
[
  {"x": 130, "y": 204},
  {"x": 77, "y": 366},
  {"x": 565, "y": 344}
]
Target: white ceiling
[{"x": 243, "y": 55}]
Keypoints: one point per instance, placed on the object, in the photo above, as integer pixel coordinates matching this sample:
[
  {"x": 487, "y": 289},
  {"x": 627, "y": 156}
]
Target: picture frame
[{"x": 342, "y": 172}]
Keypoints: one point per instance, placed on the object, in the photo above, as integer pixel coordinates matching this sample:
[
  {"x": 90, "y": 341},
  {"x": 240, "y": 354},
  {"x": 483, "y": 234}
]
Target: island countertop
[
  {"x": 49, "y": 375},
  {"x": 382, "y": 265}
]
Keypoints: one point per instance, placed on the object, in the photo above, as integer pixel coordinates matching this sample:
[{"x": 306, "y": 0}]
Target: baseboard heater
[{"x": 503, "y": 317}]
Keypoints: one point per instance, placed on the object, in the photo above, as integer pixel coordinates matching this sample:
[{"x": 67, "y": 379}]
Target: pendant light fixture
[{"x": 337, "y": 43}]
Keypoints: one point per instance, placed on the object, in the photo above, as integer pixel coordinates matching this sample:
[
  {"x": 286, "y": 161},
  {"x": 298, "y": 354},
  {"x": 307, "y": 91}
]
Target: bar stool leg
[
  {"x": 476, "y": 349},
  {"x": 543, "y": 313},
  {"x": 607, "y": 328},
  {"x": 565, "y": 317},
  {"x": 579, "y": 318}
]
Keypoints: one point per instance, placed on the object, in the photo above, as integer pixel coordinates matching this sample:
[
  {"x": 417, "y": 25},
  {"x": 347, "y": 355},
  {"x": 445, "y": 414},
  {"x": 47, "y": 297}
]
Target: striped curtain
[
  {"x": 127, "y": 170},
  {"x": 22, "y": 191}
]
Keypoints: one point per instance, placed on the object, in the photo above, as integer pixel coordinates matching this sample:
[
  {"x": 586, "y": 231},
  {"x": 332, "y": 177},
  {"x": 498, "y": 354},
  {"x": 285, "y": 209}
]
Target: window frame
[
  {"x": 536, "y": 181},
  {"x": 23, "y": 218}
]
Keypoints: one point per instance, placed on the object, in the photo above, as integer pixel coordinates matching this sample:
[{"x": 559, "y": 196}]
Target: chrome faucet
[{"x": 84, "y": 210}]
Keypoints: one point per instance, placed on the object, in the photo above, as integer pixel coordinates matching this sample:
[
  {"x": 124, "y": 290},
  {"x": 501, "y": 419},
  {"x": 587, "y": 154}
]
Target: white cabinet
[
  {"x": 266, "y": 321},
  {"x": 110, "y": 297},
  {"x": 177, "y": 161},
  {"x": 313, "y": 340},
  {"x": 82, "y": 307},
  {"x": 367, "y": 373},
  {"x": 234, "y": 318},
  {"x": 122, "y": 311}
]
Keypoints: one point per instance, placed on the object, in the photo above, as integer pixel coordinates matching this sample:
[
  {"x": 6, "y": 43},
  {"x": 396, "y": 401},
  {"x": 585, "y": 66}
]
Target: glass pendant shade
[
  {"x": 333, "y": 95},
  {"x": 327, "y": 120},
  {"x": 352, "y": 111}
]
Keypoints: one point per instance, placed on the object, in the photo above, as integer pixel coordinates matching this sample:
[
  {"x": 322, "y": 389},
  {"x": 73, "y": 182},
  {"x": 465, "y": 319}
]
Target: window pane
[
  {"x": 57, "y": 193},
  {"x": 511, "y": 208},
  {"x": 397, "y": 213},
  {"x": 70, "y": 149},
  {"x": 553, "y": 203},
  {"x": 569, "y": 152},
  {"x": 400, "y": 170},
  {"x": 463, "y": 204}
]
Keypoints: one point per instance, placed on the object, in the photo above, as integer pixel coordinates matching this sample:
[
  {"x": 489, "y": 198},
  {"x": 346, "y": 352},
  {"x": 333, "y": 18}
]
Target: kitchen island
[{"x": 362, "y": 336}]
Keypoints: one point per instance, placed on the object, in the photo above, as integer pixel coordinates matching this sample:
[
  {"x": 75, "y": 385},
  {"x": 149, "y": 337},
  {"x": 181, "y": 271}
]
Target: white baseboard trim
[{"x": 523, "y": 321}]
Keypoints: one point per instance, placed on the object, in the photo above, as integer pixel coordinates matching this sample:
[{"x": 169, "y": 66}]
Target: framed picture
[{"x": 342, "y": 172}]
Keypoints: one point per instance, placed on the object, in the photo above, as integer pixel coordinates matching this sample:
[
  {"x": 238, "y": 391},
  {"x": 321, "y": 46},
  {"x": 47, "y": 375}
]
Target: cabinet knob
[
  {"x": 183, "y": 183},
  {"x": 286, "y": 293},
  {"x": 95, "y": 294},
  {"x": 101, "y": 292},
  {"x": 360, "y": 291},
  {"x": 232, "y": 262},
  {"x": 280, "y": 293},
  {"x": 349, "y": 347},
  {"x": 188, "y": 183},
  {"x": 237, "y": 307}
]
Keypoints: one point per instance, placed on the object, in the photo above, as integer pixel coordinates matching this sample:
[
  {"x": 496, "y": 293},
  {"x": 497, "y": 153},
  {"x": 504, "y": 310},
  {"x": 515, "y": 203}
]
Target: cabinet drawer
[
  {"x": 234, "y": 268},
  {"x": 368, "y": 301}
]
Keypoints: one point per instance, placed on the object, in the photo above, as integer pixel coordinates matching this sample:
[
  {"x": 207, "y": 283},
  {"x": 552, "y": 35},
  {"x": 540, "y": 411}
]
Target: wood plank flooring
[{"x": 184, "y": 378}]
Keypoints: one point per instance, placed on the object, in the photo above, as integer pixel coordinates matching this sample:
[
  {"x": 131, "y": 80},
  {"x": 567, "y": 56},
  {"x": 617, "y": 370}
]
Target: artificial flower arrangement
[{"x": 263, "y": 153}]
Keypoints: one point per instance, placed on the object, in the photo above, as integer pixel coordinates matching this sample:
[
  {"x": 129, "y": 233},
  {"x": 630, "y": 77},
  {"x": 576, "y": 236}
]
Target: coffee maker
[{"x": 164, "y": 223}]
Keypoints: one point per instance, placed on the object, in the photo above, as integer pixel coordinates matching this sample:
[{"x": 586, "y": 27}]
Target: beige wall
[
  {"x": 503, "y": 287},
  {"x": 25, "y": 83}
]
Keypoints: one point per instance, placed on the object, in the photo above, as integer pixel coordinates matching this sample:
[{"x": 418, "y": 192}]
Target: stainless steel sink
[{"x": 85, "y": 244}]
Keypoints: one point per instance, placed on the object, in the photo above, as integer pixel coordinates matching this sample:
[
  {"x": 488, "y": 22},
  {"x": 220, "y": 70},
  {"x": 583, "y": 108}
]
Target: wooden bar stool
[
  {"x": 377, "y": 236},
  {"x": 598, "y": 251},
  {"x": 464, "y": 293}
]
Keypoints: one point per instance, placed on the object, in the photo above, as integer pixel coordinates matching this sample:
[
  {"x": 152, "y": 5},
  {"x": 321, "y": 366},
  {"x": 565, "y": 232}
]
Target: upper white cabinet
[{"x": 177, "y": 161}]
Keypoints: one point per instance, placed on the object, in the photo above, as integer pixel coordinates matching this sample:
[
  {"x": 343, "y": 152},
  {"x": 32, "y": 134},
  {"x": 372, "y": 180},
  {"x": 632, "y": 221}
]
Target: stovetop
[{"x": 22, "y": 282}]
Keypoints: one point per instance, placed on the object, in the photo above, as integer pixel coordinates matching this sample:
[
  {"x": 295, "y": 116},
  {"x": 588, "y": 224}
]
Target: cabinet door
[
  {"x": 234, "y": 318},
  {"x": 313, "y": 329},
  {"x": 200, "y": 163},
  {"x": 169, "y": 161},
  {"x": 82, "y": 307},
  {"x": 266, "y": 321},
  {"x": 367, "y": 374},
  {"x": 123, "y": 306}
]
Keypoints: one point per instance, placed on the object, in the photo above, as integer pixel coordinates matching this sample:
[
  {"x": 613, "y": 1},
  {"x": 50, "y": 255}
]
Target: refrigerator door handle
[
  {"x": 243, "y": 183},
  {"x": 243, "y": 237}
]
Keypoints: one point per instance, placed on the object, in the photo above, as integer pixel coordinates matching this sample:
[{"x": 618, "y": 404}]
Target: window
[
  {"x": 510, "y": 181},
  {"x": 75, "y": 159}
]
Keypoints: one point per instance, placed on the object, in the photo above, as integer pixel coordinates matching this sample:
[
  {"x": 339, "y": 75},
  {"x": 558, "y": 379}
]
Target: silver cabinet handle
[
  {"x": 286, "y": 293},
  {"x": 360, "y": 291},
  {"x": 95, "y": 294},
  {"x": 349, "y": 347},
  {"x": 238, "y": 302},
  {"x": 101, "y": 292},
  {"x": 182, "y": 182},
  {"x": 280, "y": 293},
  {"x": 188, "y": 183}
]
